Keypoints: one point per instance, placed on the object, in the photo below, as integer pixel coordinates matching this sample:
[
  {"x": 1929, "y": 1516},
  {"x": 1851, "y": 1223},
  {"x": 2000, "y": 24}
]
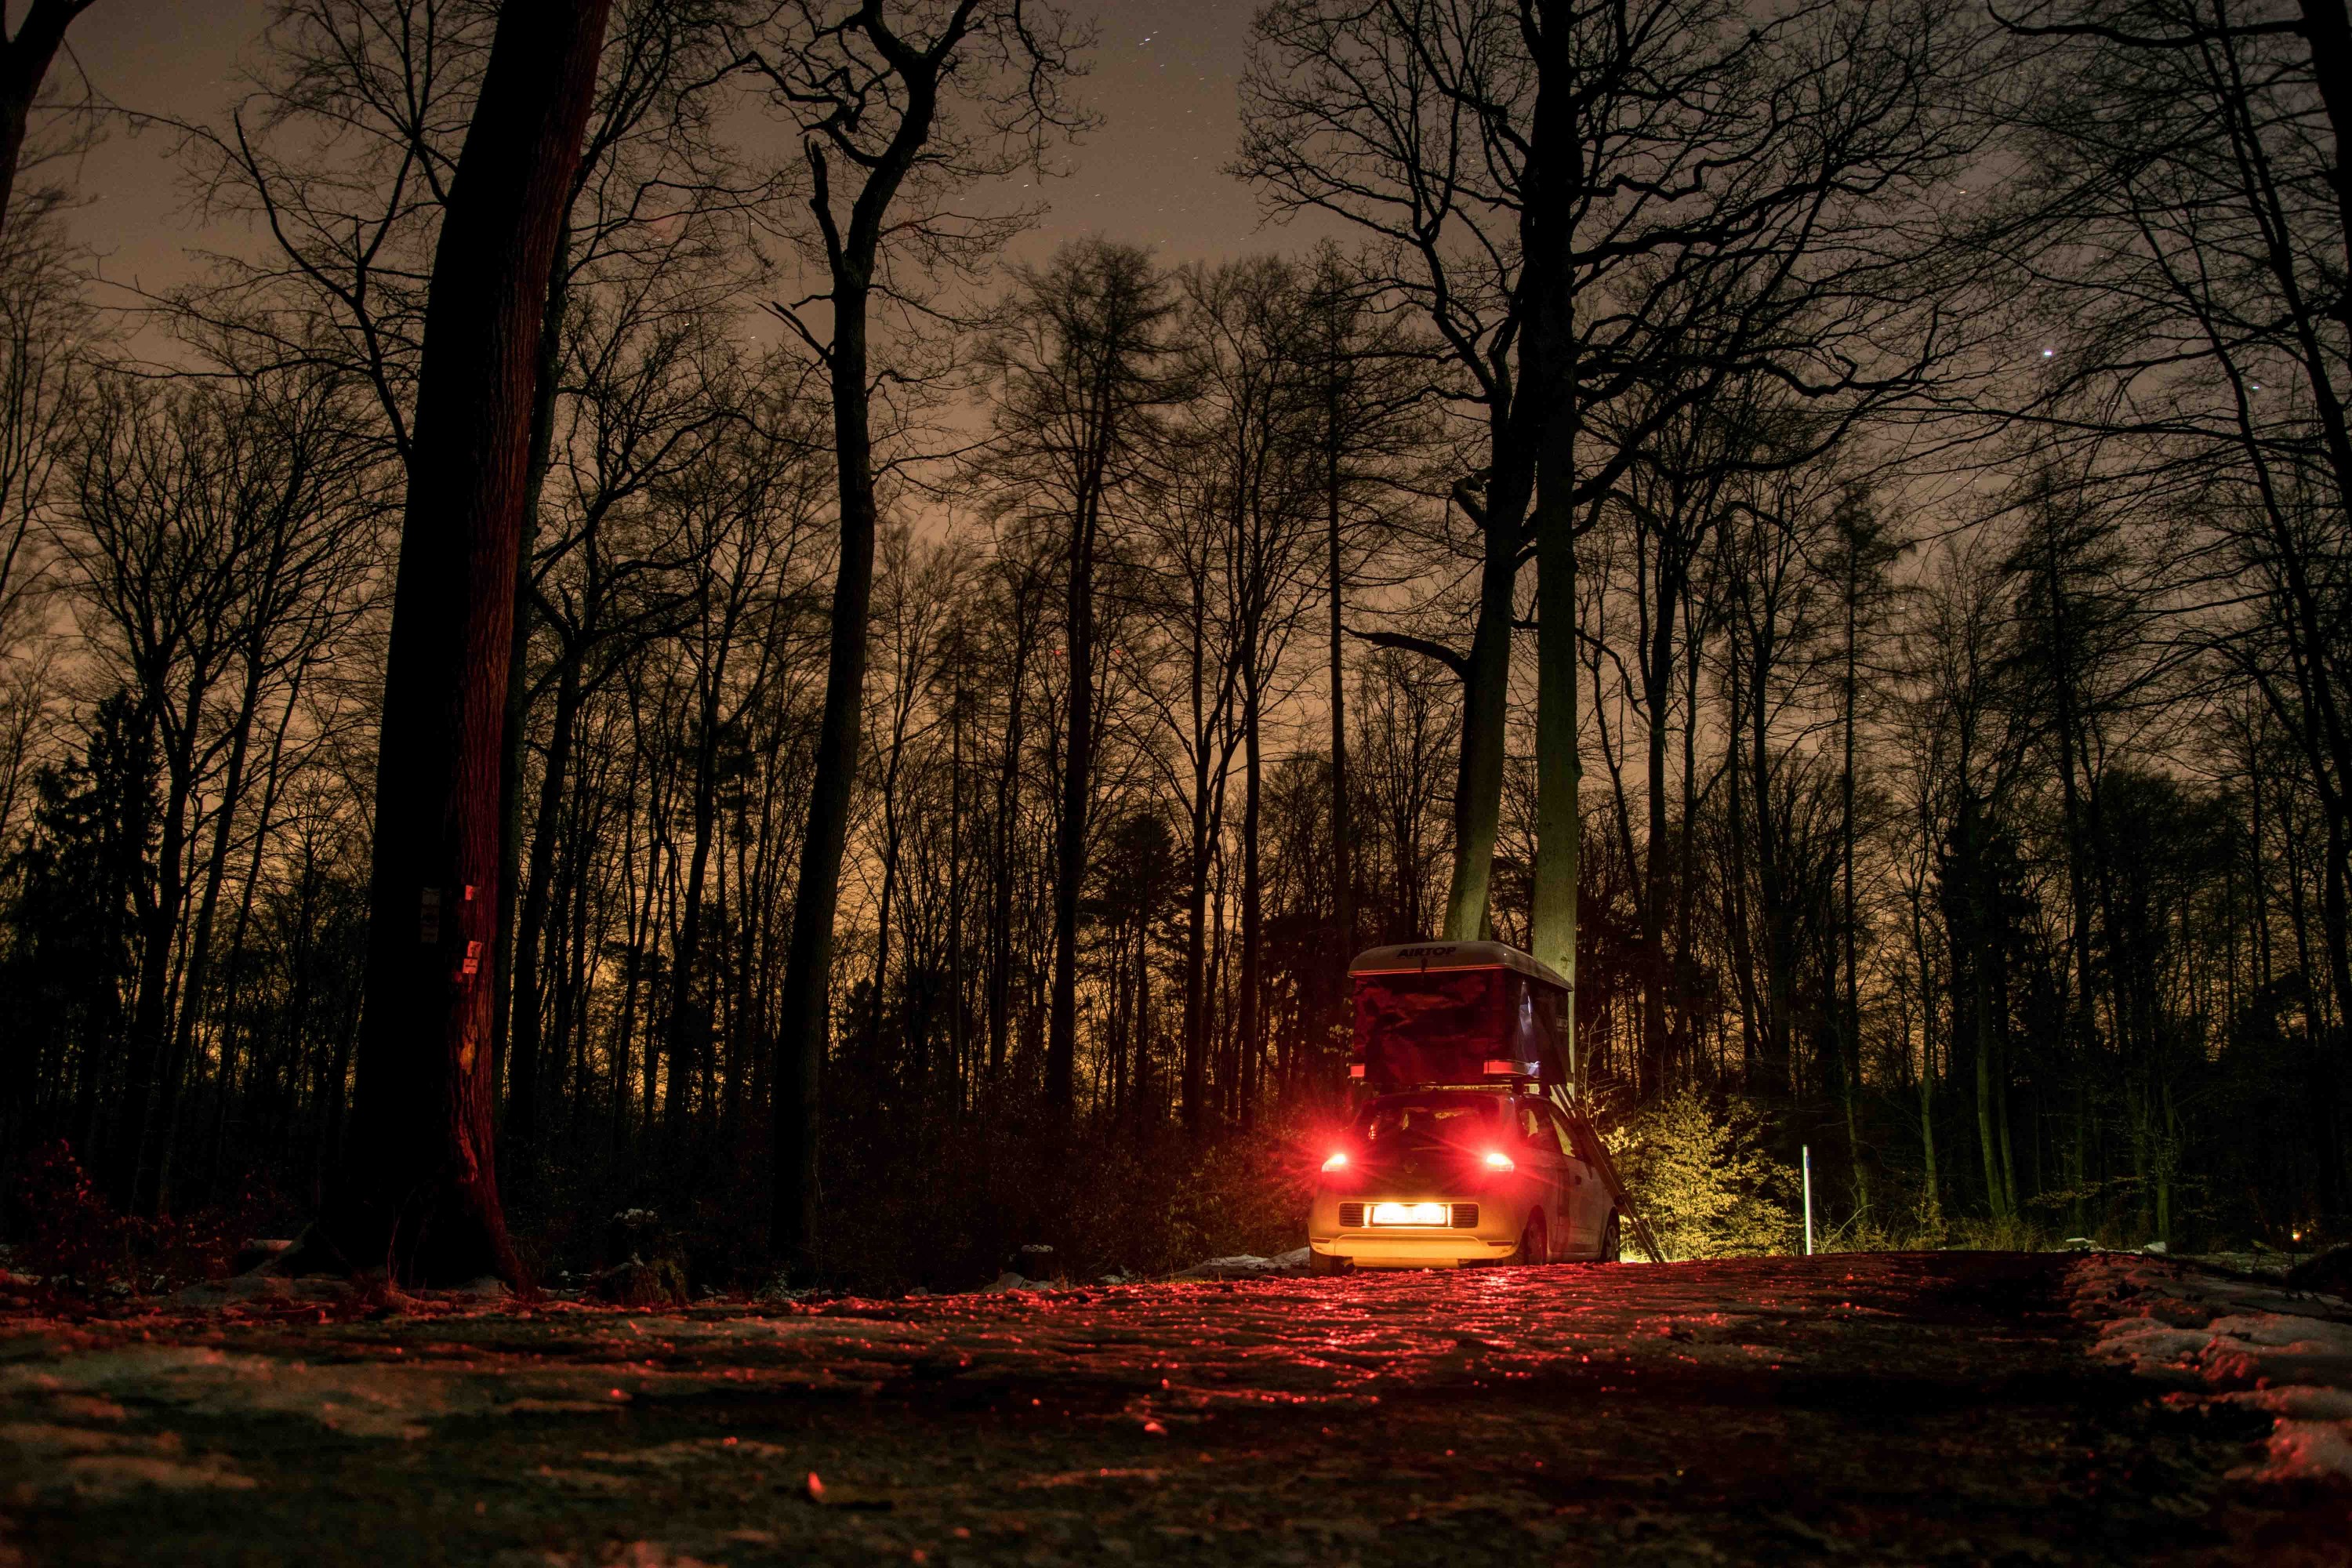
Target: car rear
[{"x": 1422, "y": 1180}]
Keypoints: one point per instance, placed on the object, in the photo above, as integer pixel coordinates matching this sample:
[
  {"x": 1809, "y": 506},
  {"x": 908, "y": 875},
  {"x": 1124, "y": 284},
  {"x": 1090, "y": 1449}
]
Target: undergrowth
[{"x": 66, "y": 1235}]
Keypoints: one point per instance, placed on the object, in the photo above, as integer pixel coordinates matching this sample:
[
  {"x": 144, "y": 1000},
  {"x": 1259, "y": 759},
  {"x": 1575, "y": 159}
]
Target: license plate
[{"x": 1435, "y": 1215}]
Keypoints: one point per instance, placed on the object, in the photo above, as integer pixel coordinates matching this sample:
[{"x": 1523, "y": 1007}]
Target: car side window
[
  {"x": 1530, "y": 1127},
  {"x": 1560, "y": 1139}
]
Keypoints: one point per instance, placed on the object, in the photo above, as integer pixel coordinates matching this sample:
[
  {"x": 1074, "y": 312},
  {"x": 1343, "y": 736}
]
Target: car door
[
  {"x": 1542, "y": 1153},
  {"x": 1584, "y": 1207}
]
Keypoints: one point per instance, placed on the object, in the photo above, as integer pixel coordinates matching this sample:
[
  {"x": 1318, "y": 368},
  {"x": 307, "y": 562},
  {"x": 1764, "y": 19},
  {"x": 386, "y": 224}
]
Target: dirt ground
[{"x": 1911, "y": 1409}]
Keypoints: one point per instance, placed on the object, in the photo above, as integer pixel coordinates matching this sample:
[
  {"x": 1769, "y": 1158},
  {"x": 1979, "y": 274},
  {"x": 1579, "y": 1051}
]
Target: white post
[{"x": 1806, "y": 1151}]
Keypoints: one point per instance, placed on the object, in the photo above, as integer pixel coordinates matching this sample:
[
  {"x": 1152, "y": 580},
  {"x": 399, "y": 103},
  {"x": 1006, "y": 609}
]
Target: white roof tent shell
[{"x": 1414, "y": 957}]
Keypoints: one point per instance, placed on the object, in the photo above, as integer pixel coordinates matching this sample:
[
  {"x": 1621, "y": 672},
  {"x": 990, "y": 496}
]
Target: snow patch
[
  {"x": 2245, "y": 1342},
  {"x": 1248, "y": 1266}
]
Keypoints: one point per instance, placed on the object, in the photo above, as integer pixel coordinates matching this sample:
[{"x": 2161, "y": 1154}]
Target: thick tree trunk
[
  {"x": 1558, "y": 765},
  {"x": 24, "y": 62},
  {"x": 417, "y": 1187},
  {"x": 1549, "y": 381},
  {"x": 1485, "y": 706}
]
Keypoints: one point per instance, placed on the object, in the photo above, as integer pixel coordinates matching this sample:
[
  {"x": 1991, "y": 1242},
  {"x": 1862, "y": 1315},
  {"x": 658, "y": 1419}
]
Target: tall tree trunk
[
  {"x": 417, "y": 1187},
  {"x": 1850, "y": 1012},
  {"x": 1203, "y": 824},
  {"x": 851, "y": 248},
  {"x": 1657, "y": 696},
  {"x": 1928, "y": 1179},
  {"x": 1077, "y": 796},
  {"x": 805, "y": 1014},
  {"x": 1008, "y": 806},
  {"x": 1343, "y": 849},
  {"x": 1737, "y": 925},
  {"x": 1548, "y": 382},
  {"x": 151, "y": 1016},
  {"x": 958, "y": 1018},
  {"x": 523, "y": 1085},
  {"x": 1771, "y": 887},
  {"x": 164, "y": 1124},
  {"x": 24, "y": 62},
  {"x": 1252, "y": 1021},
  {"x": 690, "y": 1015},
  {"x": 518, "y": 740},
  {"x": 1485, "y": 698},
  {"x": 272, "y": 780}
]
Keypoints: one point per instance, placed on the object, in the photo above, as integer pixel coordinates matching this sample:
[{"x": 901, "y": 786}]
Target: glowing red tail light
[
  {"x": 1338, "y": 1162},
  {"x": 1495, "y": 1160}
]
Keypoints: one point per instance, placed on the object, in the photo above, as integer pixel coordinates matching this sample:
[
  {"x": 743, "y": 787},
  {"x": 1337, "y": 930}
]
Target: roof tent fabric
[{"x": 1466, "y": 1013}]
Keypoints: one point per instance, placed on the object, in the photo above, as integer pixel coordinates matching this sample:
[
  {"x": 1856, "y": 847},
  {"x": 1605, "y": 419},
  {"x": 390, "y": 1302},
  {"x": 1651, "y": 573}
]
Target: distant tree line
[{"x": 1831, "y": 526}]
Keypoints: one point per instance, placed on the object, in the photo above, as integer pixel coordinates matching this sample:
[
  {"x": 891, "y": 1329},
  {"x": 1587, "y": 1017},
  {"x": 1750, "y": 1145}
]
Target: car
[{"x": 1446, "y": 1177}]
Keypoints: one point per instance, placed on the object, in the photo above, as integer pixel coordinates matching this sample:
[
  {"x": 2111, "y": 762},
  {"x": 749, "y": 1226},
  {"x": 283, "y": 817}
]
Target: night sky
[{"x": 1163, "y": 77}]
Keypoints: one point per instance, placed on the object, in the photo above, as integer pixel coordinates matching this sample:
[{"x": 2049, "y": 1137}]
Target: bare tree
[
  {"x": 418, "y": 1186},
  {"x": 1075, "y": 357},
  {"x": 899, "y": 107}
]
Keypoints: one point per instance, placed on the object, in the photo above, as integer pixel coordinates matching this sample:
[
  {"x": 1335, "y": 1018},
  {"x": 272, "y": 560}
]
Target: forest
[{"x": 628, "y": 651}]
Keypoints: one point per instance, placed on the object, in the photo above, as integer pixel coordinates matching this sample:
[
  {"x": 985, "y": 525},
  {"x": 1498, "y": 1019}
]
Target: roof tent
[{"x": 1456, "y": 1013}]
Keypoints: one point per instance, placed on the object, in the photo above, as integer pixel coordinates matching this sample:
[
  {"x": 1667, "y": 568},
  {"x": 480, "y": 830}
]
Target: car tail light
[
  {"x": 1338, "y": 1162},
  {"x": 1495, "y": 1160}
]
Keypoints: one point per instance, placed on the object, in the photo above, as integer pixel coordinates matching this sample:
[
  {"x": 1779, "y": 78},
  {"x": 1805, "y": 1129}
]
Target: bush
[
  {"x": 69, "y": 1237},
  {"x": 1703, "y": 1180}
]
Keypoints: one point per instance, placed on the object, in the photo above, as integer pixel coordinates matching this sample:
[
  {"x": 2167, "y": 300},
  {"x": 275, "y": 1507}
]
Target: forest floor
[{"x": 1911, "y": 1408}]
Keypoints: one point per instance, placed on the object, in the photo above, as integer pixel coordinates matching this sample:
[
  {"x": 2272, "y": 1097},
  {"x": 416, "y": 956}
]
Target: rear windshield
[{"x": 1437, "y": 1119}]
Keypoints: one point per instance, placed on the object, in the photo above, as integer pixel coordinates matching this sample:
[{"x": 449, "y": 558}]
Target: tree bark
[
  {"x": 1554, "y": 171},
  {"x": 417, "y": 1188},
  {"x": 1486, "y": 708}
]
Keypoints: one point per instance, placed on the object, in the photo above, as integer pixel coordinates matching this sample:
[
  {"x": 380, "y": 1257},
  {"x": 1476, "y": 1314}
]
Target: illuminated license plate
[{"x": 1436, "y": 1214}]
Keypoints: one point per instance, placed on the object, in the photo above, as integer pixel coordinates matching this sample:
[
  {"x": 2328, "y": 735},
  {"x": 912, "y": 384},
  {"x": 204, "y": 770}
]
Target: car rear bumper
[
  {"x": 1412, "y": 1249},
  {"x": 1493, "y": 1233}
]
